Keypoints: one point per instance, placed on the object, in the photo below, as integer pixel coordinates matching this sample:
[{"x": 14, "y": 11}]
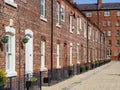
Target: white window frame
[
  {"x": 78, "y": 32},
  {"x": 62, "y": 13},
  {"x": 107, "y": 13},
  {"x": 71, "y": 45},
  {"x": 80, "y": 23},
  {"x": 58, "y": 56},
  {"x": 85, "y": 30},
  {"x": 109, "y": 33},
  {"x": 90, "y": 30},
  {"x": 29, "y": 52},
  {"x": 57, "y": 14},
  {"x": 42, "y": 9},
  {"x": 10, "y": 31},
  {"x": 43, "y": 59},
  {"x": 11, "y": 3},
  {"x": 78, "y": 53},
  {"x": 118, "y": 13},
  {"x": 71, "y": 26},
  {"x": 89, "y": 14}
]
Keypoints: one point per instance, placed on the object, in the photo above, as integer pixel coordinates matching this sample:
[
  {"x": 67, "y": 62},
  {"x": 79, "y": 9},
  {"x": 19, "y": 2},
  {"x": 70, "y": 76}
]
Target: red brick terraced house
[
  {"x": 107, "y": 17},
  {"x": 46, "y": 36}
]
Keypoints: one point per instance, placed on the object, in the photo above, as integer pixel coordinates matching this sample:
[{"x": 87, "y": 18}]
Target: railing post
[
  {"x": 10, "y": 83},
  {"x": 40, "y": 80}
]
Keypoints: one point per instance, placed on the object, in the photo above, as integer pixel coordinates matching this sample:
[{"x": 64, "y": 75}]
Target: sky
[{"x": 94, "y": 1}]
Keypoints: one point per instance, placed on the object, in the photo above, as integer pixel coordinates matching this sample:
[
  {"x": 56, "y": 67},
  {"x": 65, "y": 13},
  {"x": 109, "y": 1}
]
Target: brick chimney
[
  {"x": 72, "y": 1},
  {"x": 99, "y": 2}
]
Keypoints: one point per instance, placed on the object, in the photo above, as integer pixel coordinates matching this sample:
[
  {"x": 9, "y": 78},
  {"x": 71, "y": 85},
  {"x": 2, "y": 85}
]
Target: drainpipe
[
  {"x": 87, "y": 43},
  {"x": 52, "y": 36}
]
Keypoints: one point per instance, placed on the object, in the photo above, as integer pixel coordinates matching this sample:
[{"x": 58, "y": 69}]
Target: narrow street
[{"x": 106, "y": 77}]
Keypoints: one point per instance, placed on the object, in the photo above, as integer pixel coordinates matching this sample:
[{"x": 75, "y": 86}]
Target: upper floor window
[
  {"x": 42, "y": 8},
  {"x": 104, "y": 23},
  {"x": 80, "y": 23},
  {"x": 109, "y": 33},
  {"x": 62, "y": 13},
  {"x": 117, "y": 32},
  {"x": 71, "y": 27},
  {"x": 58, "y": 13},
  {"x": 105, "y": 33},
  {"x": 109, "y": 23},
  {"x": 89, "y": 14},
  {"x": 118, "y": 13},
  {"x": 85, "y": 30},
  {"x": 117, "y": 22},
  {"x": 109, "y": 42},
  {"x": 107, "y": 13},
  {"x": 117, "y": 42}
]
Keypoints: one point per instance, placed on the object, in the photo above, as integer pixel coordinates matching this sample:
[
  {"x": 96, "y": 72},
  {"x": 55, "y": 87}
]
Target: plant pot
[{"x": 28, "y": 84}]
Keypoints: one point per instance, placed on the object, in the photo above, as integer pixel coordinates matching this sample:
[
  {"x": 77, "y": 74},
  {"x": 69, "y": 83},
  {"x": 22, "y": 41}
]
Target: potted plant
[
  {"x": 4, "y": 39},
  {"x": 81, "y": 68},
  {"x": 30, "y": 81},
  {"x": 3, "y": 79},
  {"x": 25, "y": 40},
  {"x": 71, "y": 70}
]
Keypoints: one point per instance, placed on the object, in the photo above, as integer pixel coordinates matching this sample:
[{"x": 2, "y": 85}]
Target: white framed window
[
  {"x": 11, "y": 2},
  {"x": 105, "y": 33},
  {"x": 71, "y": 54},
  {"x": 42, "y": 8},
  {"x": 71, "y": 27},
  {"x": 10, "y": 52},
  {"x": 78, "y": 54},
  {"x": 117, "y": 42},
  {"x": 62, "y": 13},
  {"x": 117, "y": 32},
  {"x": 106, "y": 13},
  {"x": 89, "y": 14},
  {"x": 85, "y": 30},
  {"x": 78, "y": 25},
  {"x": 117, "y": 22},
  {"x": 43, "y": 68},
  {"x": 29, "y": 52},
  {"x": 109, "y": 33},
  {"x": 58, "y": 56},
  {"x": 89, "y": 32},
  {"x": 118, "y": 13},
  {"x": 109, "y": 42},
  {"x": 57, "y": 13}
]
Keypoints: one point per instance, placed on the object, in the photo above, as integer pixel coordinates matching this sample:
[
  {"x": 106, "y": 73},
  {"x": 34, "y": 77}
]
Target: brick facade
[
  {"x": 99, "y": 19},
  {"x": 27, "y": 16}
]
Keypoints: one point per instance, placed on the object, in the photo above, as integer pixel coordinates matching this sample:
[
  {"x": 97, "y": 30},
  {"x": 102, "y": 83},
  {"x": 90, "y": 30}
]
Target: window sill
[
  {"x": 58, "y": 67},
  {"x": 43, "y": 18},
  {"x": 43, "y": 69},
  {"x": 78, "y": 33},
  {"x": 57, "y": 25},
  {"x": 11, "y": 74},
  {"x": 13, "y": 4},
  {"x": 71, "y": 31},
  {"x": 78, "y": 62},
  {"x": 71, "y": 64}
]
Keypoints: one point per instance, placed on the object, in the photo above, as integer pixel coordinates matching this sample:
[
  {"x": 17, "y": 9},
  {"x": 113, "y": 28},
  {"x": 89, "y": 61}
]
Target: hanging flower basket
[
  {"x": 4, "y": 39},
  {"x": 25, "y": 40}
]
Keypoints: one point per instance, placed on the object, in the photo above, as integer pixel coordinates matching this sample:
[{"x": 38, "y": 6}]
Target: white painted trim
[
  {"x": 11, "y": 2},
  {"x": 11, "y": 71},
  {"x": 29, "y": 52}
]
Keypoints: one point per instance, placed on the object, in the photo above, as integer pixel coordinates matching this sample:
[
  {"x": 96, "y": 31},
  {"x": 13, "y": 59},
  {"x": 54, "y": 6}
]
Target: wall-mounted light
[{"x": 11, "y": 22}]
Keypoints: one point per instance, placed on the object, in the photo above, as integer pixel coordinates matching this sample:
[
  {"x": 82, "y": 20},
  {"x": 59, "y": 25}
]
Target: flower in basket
[
  {"x": 4, "y": 39},
  {"x": 3, "y": 78},
  {"x": 25, "y": 39},
  {"x": 32, "y": 79}
]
